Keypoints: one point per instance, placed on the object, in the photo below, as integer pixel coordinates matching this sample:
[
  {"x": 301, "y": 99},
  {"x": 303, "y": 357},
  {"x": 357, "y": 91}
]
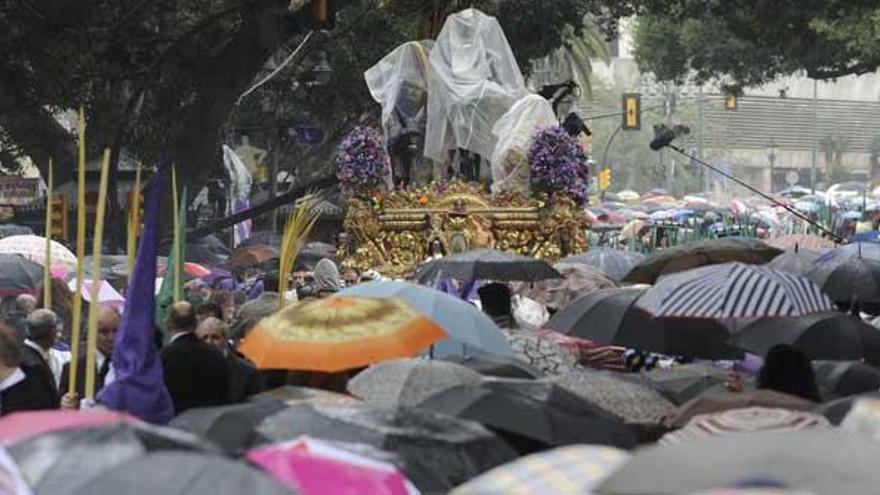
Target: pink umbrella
[
  {"x": 106, "y": 293},
  {"x": 316, "y": 467},
  {"x": 23, "y": 425}
]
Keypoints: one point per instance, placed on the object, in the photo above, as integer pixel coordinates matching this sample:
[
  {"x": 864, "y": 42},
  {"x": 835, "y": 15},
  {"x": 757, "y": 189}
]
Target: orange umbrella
[{"x": 339, "y": 333}]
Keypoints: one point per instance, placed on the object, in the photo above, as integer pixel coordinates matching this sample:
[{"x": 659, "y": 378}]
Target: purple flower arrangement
[
  {"x": 362, "y": 165},
  {"x": 559, "y": 165}
]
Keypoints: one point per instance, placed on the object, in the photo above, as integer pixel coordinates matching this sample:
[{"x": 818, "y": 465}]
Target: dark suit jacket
[
  {"x": 32, "y": 360},
  {"x": 30, "y": 394},
  {"x": 80, "y": 378},
  {"x": 195, "y": 373},
  {"x": 244, "y": 378}
]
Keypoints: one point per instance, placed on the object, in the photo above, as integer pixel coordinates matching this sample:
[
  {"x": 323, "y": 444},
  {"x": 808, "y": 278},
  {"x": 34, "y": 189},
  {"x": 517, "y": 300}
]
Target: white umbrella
[{"x": 33, "y": 247}]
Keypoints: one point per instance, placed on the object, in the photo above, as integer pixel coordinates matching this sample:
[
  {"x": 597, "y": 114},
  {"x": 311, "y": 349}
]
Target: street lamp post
[{"x": 771, "y": 157}]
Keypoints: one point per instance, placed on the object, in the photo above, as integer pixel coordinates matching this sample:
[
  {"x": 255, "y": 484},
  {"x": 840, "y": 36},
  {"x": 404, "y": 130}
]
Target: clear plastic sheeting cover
[
  {"x": 399, "y": 83},
  {"x": 514, "y": 131},
  {"x": 475, "y": 80}
]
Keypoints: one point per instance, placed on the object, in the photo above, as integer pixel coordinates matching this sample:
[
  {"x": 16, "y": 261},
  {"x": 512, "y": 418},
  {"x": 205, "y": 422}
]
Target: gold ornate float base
[{"x": 397, "y": 232}]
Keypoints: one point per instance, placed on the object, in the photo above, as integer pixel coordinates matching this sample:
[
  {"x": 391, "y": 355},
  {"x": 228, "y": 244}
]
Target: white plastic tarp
[
  {"x": 514, "y": 131},
  {"x": 399, "y": 83},
  {"x": 473, "y": 82}
]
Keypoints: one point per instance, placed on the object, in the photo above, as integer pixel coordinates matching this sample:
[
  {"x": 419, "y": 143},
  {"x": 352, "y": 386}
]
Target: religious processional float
[{"x": 420, "y": 189}]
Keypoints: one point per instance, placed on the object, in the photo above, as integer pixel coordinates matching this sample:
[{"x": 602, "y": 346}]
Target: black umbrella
[
  {"x": 494, "y": 365},
  {"x": 821, "y": 335},
  {"x": 179, "y": 473},
  {"x": 231, "y": 427},
  {"x": 540, "y": 412},
  {"x": 18, "y": 275},
  {"x": 614, "y": 262},
  {"x": 837, "y": 379},
  {"x": 438, "y": 452},
  {"x": 60, "y": 461},
  {"x": 487, "y": 264},
  {"x": 799, "y": 262},
  {"x": 850, "y": 281},
  {"x": 835, "y": 410},
  {"x": 682, "y": 383},
  {"x": 607, "y": 316},
  {"x": 701, "y": 253}
]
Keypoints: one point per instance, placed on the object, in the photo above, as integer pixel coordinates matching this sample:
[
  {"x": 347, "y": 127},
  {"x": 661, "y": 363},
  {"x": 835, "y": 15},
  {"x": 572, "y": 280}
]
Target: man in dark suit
[
  {"x": 22, "y": 387},
  {"x": 244, "y": 378},
  {"x": 195, "y": 373},
  {"x": 42, "y": 331},
  {"x": 108, "y": 323}
]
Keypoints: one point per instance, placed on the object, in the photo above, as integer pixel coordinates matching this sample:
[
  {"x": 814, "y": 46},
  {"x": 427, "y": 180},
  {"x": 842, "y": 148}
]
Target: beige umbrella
[
  {"x": 745, "y": 420},
  {"x": 578, "y": 280}
]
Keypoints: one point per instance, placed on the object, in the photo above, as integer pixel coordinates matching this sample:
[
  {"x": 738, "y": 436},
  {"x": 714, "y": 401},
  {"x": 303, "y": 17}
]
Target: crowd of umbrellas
[
  {"x": 642, "y": 222},
  {"x": 444, "y": 400}
]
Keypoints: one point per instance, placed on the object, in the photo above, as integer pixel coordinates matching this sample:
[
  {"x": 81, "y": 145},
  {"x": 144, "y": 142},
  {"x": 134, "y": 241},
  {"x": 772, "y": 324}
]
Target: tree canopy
[{"x": 750, "y": 42}]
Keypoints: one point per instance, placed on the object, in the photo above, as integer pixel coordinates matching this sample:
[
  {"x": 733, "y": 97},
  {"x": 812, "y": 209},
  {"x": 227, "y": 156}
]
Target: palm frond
[{"x": 296, "y": 232}]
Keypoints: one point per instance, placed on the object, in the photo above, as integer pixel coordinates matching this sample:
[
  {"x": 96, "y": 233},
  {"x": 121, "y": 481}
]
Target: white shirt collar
[
  {"x": 177, "y": 336},
  {"x": 12, "y": 380},
  {"x": 33, "y": 345}
]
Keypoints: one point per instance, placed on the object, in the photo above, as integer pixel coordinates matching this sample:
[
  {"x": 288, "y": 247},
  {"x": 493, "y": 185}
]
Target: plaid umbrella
[
  {"x": 613, "y": 262},
  {"x": 701, "y": 253},
  {"x": 564, "y": 470},
  {"x": 406, "y": 382},
  {"x": 487, "y": 264},
  {"x": 437, "y": 452},
  {"x": 579, "y": 279},
  {"x": 339, "y": 333},
  {"x": 628, "y": 401},
  {"x": 816, "y": 460},
  {"x": 733, "y": 290},
  {"x": 745, "y": 420}
]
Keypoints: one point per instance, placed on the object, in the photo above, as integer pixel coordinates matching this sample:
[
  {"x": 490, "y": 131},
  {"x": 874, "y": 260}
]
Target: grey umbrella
[
  {"x": 18, "y": 275},
  {"x": 628, "y": 401},
  {"x": 829, "y": 335},
  {"x": 607, "y": 316},
  {"x": 498, "y": 366},
  {"x": 614, "y": 262},
  {"x": 799, "y": 262},
  {"x": 231, "y": 427},
  {"x": 179, "y": 473},
  {"x": 538, "y": 411},
  {"x": 58, "y": 462},
  {"x": 487, "y": 264},
  {"x": 837, "y": 379},
  {"x": 850, "y": 280},
  {"x": 406, "y": 382},
  {"x": 815, "y": 460},
  {"x": 836, "y": 410},
  {"x": 438, "y": 452}
]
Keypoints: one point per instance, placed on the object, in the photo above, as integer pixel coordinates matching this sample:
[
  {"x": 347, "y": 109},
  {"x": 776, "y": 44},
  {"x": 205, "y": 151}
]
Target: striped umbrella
[
  {"x": 732, "y": 291},
  {"x": 745, "y": 420}
]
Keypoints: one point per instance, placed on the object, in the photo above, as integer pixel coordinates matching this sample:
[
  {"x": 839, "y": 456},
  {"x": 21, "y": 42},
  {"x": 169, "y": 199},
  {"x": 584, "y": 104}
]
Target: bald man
[
  {"x": 108, "y": 323},
  {"x": 195, "y": 372}
]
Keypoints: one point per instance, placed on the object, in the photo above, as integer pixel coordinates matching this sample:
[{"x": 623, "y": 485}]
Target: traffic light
[
  {"x": 59, "y": 217},
  {"x": 730, "y": 102},
  {"x": 632, "y": 112},
  {"x": 324, "y": 14},
  {"x": 604, "y": 179}
]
